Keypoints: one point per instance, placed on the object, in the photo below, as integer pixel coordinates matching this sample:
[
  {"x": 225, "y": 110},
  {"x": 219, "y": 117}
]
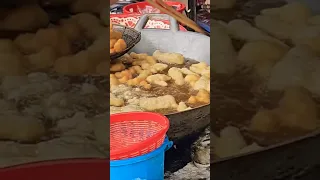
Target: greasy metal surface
[
  {"x": 298, "y": 160},
  {"x": 188, "y": 122},
  {"x": 188, "y": 44},
  {"x": 192, "y": 45}
]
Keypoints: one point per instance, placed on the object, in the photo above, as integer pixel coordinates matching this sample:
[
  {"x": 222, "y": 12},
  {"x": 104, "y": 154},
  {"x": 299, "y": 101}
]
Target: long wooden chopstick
[
  {"x": 178, "y": 16},
  {"x": 173, "y": 11},
  {"x": 163, "y": 7}
]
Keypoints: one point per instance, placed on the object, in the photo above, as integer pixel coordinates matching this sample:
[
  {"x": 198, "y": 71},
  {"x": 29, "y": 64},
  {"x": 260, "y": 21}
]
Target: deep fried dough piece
[
  {"x": 112, "y": 42},
  {"x": 73, "y": 65},
  {"x": 117, "y": 67},
  {"x": 297, "y": 109},
  {"x": 7, "y": 46},
  {"x": 42, "y": 60},
  {"x": 71, "y": 29},
  {"x": 114, "y": 101},
  {"x": 202, "y": 83},
  {"x": 85, "y": 20},
  {"x": 192, "y": 79},
  {"x": 55, "y": 38},
  {"x": 202, "y": 96},
  {"x": 26, "y": 43},
  {"x": 26, "y": 18},
  {"x": 115, "y": 35},
  {"x": 156, "y": 103},
  {"x": 11, "y": 64},
  {"x": 176, "y": 75},
  {"x": 79, "y": 63},
  {"x": 229, "y": 143},
  {"x": 186, "y": 71},
  {"x": 120, "y": 45},
  {"x": 182, "y": 107},
  {"x": 102, "y": 68},
  {"x": 169, "y": 58},
  {"x": 199, "y": 68},
  {"x": 265, "y": 121},
  {"x": 158, "y": 67},
  {"x": 159, "y": 79},
  {"x": 21, "y": 128}
]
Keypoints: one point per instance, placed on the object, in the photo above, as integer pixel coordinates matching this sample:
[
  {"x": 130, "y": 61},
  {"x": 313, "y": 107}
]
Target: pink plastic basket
[
  {"x": 134, "y": 8},
  {"x": 136, "y": 133},
  {"x": 131, "y": 20}
]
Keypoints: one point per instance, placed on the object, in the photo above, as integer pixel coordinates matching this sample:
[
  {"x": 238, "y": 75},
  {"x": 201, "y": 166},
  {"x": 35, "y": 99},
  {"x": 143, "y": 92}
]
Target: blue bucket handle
[{"x": 167, "y": 143}]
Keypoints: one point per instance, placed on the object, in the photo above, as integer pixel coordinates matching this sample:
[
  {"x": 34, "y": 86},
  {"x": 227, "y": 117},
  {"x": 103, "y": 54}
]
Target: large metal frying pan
[
  {"x": 295, "y": 159},
  {"x": 291, "y": 160},
  {"x": 192, "y": 45}
]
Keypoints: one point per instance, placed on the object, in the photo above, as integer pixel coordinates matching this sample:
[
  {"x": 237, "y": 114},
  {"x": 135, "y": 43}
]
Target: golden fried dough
[{"x": 26, "y": 18}]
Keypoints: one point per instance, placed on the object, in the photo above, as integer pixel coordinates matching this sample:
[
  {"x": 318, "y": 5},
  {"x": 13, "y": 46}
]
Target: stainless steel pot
[{"x": 192, "y": 45}]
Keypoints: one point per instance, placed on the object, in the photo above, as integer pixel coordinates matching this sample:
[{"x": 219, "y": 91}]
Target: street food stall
[
  {"x": 158, "y": 31},
  {"x": 57, "y": 80}
]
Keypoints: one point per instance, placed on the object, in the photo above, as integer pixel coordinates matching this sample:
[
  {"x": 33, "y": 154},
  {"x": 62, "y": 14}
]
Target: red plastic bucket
[
  {"x": 74, "y": 169},
  {"x": 134, "y": 8}
]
